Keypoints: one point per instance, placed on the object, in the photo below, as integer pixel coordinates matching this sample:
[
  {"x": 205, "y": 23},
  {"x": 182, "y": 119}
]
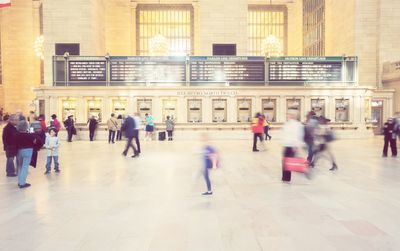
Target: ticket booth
[
  {"x": 244, "y": 110},
  {"x": 269, "y": 109},
  {"x": 119, "y": 106},
  {"x": 169, "y": 109},
  {"x": 294, "y": 104},
  {"x": 318, "y": 106},
  {"x": 194, "y": 110},
  {"x": 377, "y": 115},
  {"x": 144, "y": 106},
  {"x": 68, "y": 107},
  {"x": 219, "y": 110},
  {"x": 342, "y": 110},
  {"x": 94, "y": 109}
]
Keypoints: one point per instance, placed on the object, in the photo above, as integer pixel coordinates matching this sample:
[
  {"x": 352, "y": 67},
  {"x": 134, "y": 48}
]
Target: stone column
[
  {"x": 81, "y": 110},
  {"x": 207, "y": 109},
  {"x": 181, "y": 109},
  {"x": 231, "y": 106},
  {"x": 133, "y": 27}
]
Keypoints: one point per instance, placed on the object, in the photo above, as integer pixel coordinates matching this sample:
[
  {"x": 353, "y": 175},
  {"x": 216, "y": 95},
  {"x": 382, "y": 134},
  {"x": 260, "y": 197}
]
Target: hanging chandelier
[
  {"x": 159, "y": 45},
  {"x": 272, "y": 46},
  {"x": 39, "y": 47}
]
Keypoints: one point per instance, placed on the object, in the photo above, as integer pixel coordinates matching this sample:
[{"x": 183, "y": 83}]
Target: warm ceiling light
[
  {"x": 159, "y": 45},
  {"x": 272, "y": 46}
]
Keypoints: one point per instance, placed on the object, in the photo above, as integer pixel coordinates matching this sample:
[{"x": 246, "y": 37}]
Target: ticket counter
[
  {"x": 68, "y": 107},
  {"x": 169, "y": 108},
  {"x": 94, "y": 109},
  {"x": 269, "y": 109},
  {"x": 318, "y": 106},
  {"x": 119, "y": 106},
  {"x": 194, "y": 110},
  {"x": 144, "y": 106},
  {"x": 244, "y": 110},
  {"x": 342, "y": 110},
  {"x": 219, "y": 110}
]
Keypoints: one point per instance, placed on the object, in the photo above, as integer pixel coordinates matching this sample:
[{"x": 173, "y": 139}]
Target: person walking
[
  {"x": 69, "y": 124},
  {"x": 257, "y": 126},
  {"x": 170, "y": 125},
  {"x": 52, "y": 144},
  {"x": 129, "y": 128},
  {"x": 389, "y": 138},
  {"x": 92, "y": 123},
  {"x": 119, "y": 124},
  {"x": 210, "y": 158},
  {"x": 149, "y": 127},
  {"x": 323, "y": 137},
  {"x": 10, "y": 144},
  {"x": 138, "y": 123},
  {"x": 42, "y": 121},
  {"x": 112, "y": 124},
  {"x": 267, "y": 127},
  {"x": 55, "y": 124},
  {"x": 292, "y": 138},
  {"x": 311, "y": 125},
  {"x": 26, "y": 142}
]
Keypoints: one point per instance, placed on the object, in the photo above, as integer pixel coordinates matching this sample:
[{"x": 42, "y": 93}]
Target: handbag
[{"x": 294, "y": 164}]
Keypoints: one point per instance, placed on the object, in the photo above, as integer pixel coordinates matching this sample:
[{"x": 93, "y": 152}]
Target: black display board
[
  {"x": 148, "y": 69},
  {"x": 87, "y": 71},
  {"x": 229, "y": 69},
  {"x": 306, "y": 69}
]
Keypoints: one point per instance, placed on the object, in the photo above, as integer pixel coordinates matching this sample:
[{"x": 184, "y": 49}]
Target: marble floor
[{"x": 103, "y": 201}]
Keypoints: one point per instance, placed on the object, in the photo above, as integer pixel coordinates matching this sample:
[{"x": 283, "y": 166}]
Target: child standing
[{"x": 52, "y": 144}]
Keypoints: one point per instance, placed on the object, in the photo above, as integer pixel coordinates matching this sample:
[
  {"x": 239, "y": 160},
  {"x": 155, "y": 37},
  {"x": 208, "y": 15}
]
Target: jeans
[
  {"x": 91, "y": 134},
  {"x": 48, "y": 164},
  {"x": 23, "y": 159},
  {"x": 111, "y": 136},
  {"x": 10, "y": 167},
  {"x": 129, "y": 144},
  {"x": 69, "y": 130},
  {"x": 119, "y": 135},
  {"x": 137, "y": 141},
  {"x": 260, "y": 137},
  {"x": 207, "y": 177}
]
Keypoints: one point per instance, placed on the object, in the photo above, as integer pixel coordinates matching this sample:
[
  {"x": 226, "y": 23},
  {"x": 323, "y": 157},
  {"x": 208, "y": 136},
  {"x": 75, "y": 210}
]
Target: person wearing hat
[{"x": 390, "y": 138}]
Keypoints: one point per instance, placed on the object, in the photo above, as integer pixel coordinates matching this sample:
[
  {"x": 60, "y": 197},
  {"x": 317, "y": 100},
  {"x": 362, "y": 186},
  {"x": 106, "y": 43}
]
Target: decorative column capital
[{"x": 133, "y": 4}]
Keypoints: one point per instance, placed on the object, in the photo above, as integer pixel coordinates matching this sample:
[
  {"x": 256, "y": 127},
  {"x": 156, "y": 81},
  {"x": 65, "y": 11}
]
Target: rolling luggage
[{"x": 161, "y": 136}]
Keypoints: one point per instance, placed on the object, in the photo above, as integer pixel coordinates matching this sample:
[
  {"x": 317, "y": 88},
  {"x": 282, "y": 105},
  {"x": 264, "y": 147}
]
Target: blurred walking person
[
  {"x": 309, "y": 135},
  {"x": 267, "y": 127},
  {"x": 138, "y": 123},
  {"x": 69, "y": 125},
  {"x": 257, "y": 127},
  {"x": 324, "y": 136},
  {"x": 129, "y": 128},
  {"x": 292, "y": 138},
  {"x": 210, "y": 158},
  {"x": 112, "y": 125},
  {"x": 10, "y": 144},
  {"x": 92, "y": 124},
  {"x": 389, "y": 138}
]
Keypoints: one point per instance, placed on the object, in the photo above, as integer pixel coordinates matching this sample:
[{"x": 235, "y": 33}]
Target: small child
[
  {"x": 210, "y": 162},
  {"x": 52, "y": 144}
]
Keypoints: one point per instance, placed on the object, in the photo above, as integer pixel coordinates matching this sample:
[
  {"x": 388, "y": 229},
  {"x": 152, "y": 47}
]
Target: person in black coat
[
  {"x": 92, "y": 127},
  {"x": 390, "y": 138},
  {"x": 129, "y": 128},
  {"x": 9, "y": 143},
  {"x": 70, "y": 126}
]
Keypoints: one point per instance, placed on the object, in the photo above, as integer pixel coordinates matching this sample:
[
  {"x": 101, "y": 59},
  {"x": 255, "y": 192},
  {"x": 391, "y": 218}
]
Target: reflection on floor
[{"x": 103, "y": 201}]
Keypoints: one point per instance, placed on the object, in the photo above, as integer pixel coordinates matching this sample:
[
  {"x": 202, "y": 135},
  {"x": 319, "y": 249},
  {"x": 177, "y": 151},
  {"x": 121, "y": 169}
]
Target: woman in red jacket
[{"x": 257, "y": 126}]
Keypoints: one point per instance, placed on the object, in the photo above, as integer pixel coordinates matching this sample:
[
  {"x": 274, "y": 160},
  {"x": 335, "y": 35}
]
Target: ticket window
[
  {"x": 195, "y": 110},
  {"x": 294, "y": 104},
  {"x": 144, "y": 106},
  {"x": 244, "y": 110},
  {"x": 269, "y": 109},
  {"x": 377, "y": 115},
  {"x": 219, "y": 112},
  {"x": 318, "y": 106},
  {"x": 119, "y": 106},
  {"x": 169, "y": 109},
  {"x": 94, "y": 109},
  {"x": 342, "y": 110},
  {"x": 68, "y": 108}
]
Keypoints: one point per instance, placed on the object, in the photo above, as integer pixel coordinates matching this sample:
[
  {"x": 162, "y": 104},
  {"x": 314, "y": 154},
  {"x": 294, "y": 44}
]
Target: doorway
[{"x": 377, "y": 116}]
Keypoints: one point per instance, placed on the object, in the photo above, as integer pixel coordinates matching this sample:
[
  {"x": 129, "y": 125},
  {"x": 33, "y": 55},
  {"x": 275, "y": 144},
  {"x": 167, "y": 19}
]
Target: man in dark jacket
[
  {"x": 92, "y": 127},
  {"x": 390, "y": 138},
  {"x": 10, "y": 145},
  {"x": 129, "y": 128},
  {"x": 70, "y": 126}
]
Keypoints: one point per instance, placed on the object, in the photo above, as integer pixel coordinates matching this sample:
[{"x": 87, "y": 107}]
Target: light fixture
[
  {"x": 272, "y": 46},
  {"x": 39, "y": 47}
]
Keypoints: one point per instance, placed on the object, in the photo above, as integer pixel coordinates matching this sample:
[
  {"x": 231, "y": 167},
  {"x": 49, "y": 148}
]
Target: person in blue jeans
[
  {"x": 210, "y": 162},
  {"x": 25, "y": 145},
  {"x": 52, "y": 144}
]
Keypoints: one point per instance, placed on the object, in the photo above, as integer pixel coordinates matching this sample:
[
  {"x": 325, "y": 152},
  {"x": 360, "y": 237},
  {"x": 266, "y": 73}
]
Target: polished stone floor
[{"x": 103, "y": 201}]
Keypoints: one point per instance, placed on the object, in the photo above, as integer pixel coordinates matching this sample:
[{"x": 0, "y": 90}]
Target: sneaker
[
  {"x": 207, "y": 193},
  {"x": 24, "y": 186},
  {"x": 256, "y": 150},
  {"x": 384, "y": 155},
  {"x": 124, "y": 154},
  {"x": 57, "y": 170},
  {"x": 47, "y": 172},
  {"x": 135, "y": 156}
]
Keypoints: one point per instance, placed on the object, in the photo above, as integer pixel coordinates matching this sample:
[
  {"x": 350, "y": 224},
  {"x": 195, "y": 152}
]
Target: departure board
[
  {"x": 307, "y": 69},
  {"x": 87, "y": 71},
  {"x": 229, "y": 69},
  {"x": 148, "y": 69}
]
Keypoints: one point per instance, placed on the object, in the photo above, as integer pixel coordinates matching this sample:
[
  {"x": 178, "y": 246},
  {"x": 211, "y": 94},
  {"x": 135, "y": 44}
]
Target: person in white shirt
[
  {"x": 292, "y": 138},
  {"x": 52, "y": 144},
  {"x": 138, "y": 123}
]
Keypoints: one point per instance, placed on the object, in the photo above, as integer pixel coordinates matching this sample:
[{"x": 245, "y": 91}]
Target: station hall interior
[{"x": 206, "y": 71}]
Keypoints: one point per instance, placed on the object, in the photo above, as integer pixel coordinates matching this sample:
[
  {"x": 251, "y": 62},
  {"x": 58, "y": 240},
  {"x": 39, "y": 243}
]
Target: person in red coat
[{"x": 257, "y": 126}]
